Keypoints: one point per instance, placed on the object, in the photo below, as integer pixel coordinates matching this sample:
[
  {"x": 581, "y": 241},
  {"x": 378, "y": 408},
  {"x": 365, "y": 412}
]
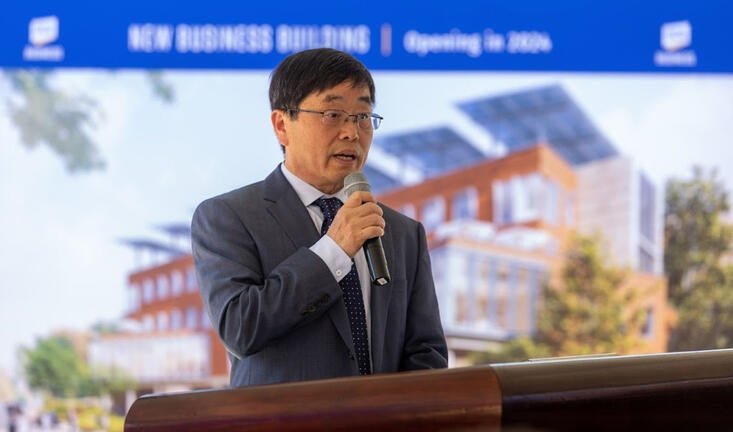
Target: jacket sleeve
[{"x": 249, "y": 304}]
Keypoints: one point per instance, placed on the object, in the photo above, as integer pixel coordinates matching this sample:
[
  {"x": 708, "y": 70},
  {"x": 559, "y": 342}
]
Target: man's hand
[{"x": 359, "y": 219}]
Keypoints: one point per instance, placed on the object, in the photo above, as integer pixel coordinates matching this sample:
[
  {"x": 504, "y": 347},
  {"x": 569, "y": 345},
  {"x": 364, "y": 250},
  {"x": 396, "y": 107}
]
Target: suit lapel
[
  {"x": 380, "y": 299},
  {"x": 283, "y": 204}
]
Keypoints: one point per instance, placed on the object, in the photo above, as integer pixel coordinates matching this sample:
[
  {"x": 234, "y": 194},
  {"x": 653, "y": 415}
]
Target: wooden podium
[{"x": 671, "y": 391}]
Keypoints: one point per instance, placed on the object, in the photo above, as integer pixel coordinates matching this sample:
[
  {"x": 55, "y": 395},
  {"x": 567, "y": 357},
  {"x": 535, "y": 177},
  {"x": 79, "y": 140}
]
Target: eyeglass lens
[{"x": 364, "y": 120}]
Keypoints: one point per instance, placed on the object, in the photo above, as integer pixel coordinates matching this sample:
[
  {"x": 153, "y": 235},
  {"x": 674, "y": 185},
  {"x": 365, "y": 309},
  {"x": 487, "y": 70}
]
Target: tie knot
[{"x": 329, "y": 207}]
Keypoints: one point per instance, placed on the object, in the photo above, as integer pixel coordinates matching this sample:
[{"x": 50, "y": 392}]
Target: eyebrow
[{"x": 332, "y": 97}]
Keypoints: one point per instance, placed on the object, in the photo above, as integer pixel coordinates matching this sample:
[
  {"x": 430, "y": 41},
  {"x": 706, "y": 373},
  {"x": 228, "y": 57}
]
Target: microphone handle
[{"x": 378, "y": 269}]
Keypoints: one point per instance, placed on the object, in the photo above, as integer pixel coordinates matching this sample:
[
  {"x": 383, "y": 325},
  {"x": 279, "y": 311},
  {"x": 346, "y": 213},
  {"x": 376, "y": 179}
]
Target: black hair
[{"x": 315, "y": 70}]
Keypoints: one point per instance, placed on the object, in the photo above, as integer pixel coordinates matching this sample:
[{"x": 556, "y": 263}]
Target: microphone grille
[{"x": 356, "y": 181}]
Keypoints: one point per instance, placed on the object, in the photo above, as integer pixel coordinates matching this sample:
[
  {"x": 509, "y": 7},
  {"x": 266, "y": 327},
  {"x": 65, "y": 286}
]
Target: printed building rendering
[{"x": 498, "y": 222}]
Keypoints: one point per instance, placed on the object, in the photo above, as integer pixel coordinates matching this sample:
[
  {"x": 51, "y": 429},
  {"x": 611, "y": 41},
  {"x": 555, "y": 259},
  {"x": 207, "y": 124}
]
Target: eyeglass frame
[{"x": 376, "y": 119}]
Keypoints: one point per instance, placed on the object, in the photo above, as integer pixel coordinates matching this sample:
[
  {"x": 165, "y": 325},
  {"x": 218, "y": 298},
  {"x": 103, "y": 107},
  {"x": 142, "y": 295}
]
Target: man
[{"x": 289, "y": 303}]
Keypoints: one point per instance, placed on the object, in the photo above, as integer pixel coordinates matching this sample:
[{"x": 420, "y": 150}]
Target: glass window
[
  {"x": 162, "y": 321},
  {"x": 192, "y": 318},
  {"x": 522, "y": 308},
  {"x": 162, "y": 283},
  {"x": 455, "y": 265},
  {"x": 133, "y": 298},
  {"x": 148, "y": 324},
  {"x": 148, "y": 291},
  {"x": 176, "y": 319},
  {"x": 534, "y": 197},
  {"x": 433, "y": 213},
  {"x": 526, "y": 198},
  {"x": 176, "y": 283},
  {"x": 519, "y": 200},
  {"x": 500, "y": 200},
  {"x": 191, "y": 280},
  {"x": 534, "y": 187},
  {"x": 502, "y": 295},
  {"x": 205, "y": 322},
  {"x": 465, "y": 204}
]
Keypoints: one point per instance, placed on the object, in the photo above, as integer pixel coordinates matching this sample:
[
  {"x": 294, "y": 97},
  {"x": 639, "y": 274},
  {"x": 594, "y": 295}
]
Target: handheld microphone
[{"x": 373, "y": 248}]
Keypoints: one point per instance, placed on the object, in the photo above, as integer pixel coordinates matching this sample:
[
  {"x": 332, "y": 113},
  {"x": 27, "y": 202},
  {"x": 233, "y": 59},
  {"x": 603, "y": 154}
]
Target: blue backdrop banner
[{"x": 523, "y": 35}]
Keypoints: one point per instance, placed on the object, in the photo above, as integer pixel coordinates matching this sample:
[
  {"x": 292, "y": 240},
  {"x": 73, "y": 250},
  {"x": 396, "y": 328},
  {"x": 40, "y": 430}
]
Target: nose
[{"x": 349, "y": 130}]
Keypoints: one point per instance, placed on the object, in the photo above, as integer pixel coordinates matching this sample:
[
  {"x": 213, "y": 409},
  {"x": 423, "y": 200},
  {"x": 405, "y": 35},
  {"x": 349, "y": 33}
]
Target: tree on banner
[
  {"x": 589, "y": 310},
  {"x": 54, "y": 365},
  {"x": 696, "y": 243},
  {"x": 47, "y": 116}
]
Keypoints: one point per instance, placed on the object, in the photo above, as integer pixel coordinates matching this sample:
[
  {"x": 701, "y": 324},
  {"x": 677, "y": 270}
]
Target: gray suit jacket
[{"x": 278, "y": 309}]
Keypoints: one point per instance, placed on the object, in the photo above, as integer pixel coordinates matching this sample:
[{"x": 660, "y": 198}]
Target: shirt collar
[{"x": 305, "y": 191}]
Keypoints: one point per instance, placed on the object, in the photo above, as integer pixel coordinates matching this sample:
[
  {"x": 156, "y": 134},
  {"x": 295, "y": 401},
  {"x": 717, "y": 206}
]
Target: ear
[{"x": 279, "y": 125}]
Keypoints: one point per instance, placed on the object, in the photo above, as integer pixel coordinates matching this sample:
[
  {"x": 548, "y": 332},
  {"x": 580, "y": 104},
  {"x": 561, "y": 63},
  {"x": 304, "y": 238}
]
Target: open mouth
[{"x": 345, "y": 156}]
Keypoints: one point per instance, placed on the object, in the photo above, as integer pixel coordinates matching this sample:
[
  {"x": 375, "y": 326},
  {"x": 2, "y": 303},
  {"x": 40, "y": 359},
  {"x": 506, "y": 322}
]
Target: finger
[
  {"x": 353, "y": 223},
  {"x": 366, "y": 209},
  {"x": 374, "y": 219},
  {"x": 358, "y": 198},
  {"x": 372, "y": 232}
]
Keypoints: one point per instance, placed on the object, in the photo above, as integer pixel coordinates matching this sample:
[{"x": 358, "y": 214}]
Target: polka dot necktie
[{"x": 352, "y": 293}]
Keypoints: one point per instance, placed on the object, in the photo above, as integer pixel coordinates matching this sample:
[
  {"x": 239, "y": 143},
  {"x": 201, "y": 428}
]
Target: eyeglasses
[{"x": 337, "y": 117}]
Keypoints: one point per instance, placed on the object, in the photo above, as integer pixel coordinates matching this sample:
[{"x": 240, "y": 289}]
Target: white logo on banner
[
  {"x": 43, "y": 31},
  {"x": 674, "y": 37}
]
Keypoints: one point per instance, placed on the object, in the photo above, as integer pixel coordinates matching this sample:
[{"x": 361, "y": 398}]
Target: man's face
[{"x": 323, "y": 155}]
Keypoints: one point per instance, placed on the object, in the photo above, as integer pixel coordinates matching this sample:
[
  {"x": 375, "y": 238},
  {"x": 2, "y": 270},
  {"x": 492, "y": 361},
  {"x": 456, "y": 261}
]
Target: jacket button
[
  {"x": 325, "y": 298},
  {"x": 351, "y": 355}
]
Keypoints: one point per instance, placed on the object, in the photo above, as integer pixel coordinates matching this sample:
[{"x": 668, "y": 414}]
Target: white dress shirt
[{"x": 331, "y": 253}]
